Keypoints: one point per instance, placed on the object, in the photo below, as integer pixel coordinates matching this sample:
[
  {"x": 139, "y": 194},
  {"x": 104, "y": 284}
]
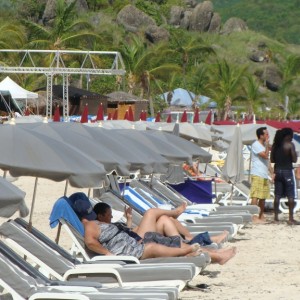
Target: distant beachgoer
[
  {"x": 283, "y": 155},
  {"x": 260, "y": 188}
]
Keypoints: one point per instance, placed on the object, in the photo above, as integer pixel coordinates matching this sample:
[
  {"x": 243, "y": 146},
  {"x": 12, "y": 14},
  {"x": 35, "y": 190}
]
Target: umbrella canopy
[
  {"x": 11, "y": 200},
  {"x": 139, "y": 157},
  {"x": 169, "y": 119},
  {"x": 192, "y": 149},
  {"x": 184, "y": 117},
  {"x": 130, "y": 114},
  {"x": 233, "y": 170},
  {"x": 56, "y": 116},
  {"x": 170, "y": 151},
  {"x": 157, "y": 118},
  {"x": 197, "y": 132},
  {"x": 100, "y": 116},
  {"x": 26, "y": 153},
  {"x": 85, "y": 115},
  {"x": 76, "y": 136},
  {"x": 196, "y": 116}
]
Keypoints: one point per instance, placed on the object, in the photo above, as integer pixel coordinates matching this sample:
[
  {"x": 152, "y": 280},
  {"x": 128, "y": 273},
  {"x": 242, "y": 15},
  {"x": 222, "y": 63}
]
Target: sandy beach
[{"x": 266, "y": 266}]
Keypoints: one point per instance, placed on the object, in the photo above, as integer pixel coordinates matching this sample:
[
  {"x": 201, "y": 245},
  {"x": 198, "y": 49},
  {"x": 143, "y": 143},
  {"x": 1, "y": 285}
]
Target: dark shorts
[{"x": 285, "y": 184}]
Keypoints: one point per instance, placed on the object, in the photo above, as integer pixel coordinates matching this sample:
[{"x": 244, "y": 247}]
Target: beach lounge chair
[
  {"x": 57, "y": 266},
  {"x": 173, "y": 196},
  {"x": 58, "y": 216},
  {"x": 19, "y": 281},
  {"x": 118, "y": 203}
]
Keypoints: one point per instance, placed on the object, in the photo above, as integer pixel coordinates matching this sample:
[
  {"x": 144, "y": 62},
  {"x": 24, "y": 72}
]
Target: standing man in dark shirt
[{"x": 283, "y": 154}]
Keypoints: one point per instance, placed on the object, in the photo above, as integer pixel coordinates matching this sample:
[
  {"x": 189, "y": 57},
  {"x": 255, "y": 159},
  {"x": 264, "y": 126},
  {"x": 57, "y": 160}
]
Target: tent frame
[{"x": 58, "y": 67}]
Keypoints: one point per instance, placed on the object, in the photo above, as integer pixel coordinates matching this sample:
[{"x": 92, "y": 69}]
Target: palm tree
[
  {"x": 289, "y": 71},
  {"x": 12, "y": 35},
  {"x": 190, "y": 48},
  {"x": 68, "y": 31},
  {"x": 146, "y": 66},
  {"x": 225, "y": 85},
  {"x": 253, "y": 95}
]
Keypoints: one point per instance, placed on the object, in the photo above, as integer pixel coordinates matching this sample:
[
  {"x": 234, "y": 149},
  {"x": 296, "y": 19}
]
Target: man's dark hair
[
  {"x": 260, "y": 131},
  {"x": 101, "y": 208}
]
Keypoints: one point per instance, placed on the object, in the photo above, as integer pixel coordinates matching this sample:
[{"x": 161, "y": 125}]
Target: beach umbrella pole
[
  {"x": 32, "y": 204},
  {"x": 4, "y": 174},
  {"x": 66, "y": 187}
]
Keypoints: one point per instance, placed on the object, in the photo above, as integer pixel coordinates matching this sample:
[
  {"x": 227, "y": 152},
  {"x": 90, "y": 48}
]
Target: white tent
[{"x": 16, "y": 91}]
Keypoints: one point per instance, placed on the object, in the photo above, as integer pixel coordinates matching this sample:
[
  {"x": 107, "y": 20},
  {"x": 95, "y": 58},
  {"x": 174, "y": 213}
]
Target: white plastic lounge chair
[
  {"x": 60, "y": 268},
  {"x": 20, "y": 281}
]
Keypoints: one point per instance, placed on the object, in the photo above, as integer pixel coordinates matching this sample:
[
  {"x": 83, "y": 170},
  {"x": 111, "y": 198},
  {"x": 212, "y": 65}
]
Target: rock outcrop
[
  {"x": 133, "y": 19},
  {"x": 49, "y": 12},
  {"x": 201, "y": 16},
  {"x": 234, "y": 25}
]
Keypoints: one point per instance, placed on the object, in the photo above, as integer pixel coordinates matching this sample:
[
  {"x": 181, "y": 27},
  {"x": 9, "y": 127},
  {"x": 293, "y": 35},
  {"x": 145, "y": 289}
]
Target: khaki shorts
[{"x": 260, "y": 187}]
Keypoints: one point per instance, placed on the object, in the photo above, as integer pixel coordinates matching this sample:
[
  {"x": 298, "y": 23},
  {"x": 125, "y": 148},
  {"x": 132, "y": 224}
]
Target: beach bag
[{"x": 169, "y": 241}]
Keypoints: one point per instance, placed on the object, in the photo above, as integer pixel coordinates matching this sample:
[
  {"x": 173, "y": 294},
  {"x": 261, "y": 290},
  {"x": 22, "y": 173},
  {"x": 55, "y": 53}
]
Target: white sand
[{"x": 267, "y": 265}]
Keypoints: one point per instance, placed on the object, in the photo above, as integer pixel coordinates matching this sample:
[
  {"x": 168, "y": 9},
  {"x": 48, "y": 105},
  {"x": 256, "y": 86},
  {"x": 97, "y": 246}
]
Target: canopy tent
[
  {"x": 179, "y": 97},
  {"x": 16, "y": 91},
  {"x": 7, "y": 103}
]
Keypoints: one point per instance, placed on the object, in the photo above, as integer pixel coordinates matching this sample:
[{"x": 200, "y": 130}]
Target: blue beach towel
[{"x": 62, "y": 209}]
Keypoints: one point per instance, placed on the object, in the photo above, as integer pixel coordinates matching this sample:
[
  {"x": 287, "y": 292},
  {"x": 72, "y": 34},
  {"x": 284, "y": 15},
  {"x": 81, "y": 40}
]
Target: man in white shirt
[{"x": 260, "y": 188}]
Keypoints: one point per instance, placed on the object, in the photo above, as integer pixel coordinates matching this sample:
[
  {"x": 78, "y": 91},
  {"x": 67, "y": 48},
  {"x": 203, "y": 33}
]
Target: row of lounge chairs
[{"x": 81, "y": 275}]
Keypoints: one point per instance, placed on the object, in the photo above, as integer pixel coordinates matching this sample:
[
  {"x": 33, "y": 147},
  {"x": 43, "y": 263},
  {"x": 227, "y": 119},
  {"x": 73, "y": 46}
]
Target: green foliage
[{"x": 277, "y": 19}]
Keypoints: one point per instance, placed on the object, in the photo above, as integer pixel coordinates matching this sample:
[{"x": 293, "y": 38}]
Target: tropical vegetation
[{"x": 208, "y": 64}]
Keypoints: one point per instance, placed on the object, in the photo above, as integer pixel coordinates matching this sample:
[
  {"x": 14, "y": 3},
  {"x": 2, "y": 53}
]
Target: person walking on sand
[
  {"x": 283, "y": 155},
  {"x": 260, "y": 188}
]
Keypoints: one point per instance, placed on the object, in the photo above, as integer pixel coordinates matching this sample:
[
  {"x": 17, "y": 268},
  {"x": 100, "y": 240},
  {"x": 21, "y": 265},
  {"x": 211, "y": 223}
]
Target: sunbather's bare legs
[
  {"x": 153, "y": 250},
  {"x": 221, "y": 256},
  {"x": 188, "y": 236},
  {"x": 151, "y": 216}
]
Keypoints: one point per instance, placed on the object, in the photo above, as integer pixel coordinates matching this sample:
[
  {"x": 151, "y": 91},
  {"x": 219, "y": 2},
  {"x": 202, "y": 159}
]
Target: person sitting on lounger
[
  {"x": 106, "y": 238},
  {"x": 156, "y": 220},
  {"x": 164, "y": 225}
]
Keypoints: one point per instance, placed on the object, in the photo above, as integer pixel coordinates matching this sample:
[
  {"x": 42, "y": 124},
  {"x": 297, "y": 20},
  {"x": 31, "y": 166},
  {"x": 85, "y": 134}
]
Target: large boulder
[
  {"x": 185, "y": 21},
  {"x": 134, "y": 19},
  {"x": 273, "y": 78},
  {"x": 156, "y": 34},
  {"x": 215, "y": 23},
  {"x": 176, "y": 14},
  {"x": 50, "y": 9},
  {"x": 234, "y": 25},
  {"x": 201, "y": 17}
]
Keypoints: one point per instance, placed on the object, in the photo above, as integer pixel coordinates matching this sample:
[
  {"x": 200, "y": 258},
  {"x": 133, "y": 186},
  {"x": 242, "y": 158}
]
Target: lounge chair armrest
[
  {"x": 86, "y": 271},
  {"x": 127, "y": 259}
]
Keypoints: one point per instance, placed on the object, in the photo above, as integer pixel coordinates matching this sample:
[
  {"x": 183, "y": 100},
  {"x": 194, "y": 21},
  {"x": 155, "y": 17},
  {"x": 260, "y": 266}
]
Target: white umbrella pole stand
[{"x": 32, "y": 205}]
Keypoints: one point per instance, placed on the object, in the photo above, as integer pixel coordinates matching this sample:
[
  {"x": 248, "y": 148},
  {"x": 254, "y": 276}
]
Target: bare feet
[
  {"x": 195, "y": 253},
  {"x": 195, "y": 247},
  {"x": 293, "y": 222},
  {"x": 257, "y": 220},
  {"x": 227, "y": 255},
  {"x": 221, "y": 238},
  {"x": 180, "y": 209}
]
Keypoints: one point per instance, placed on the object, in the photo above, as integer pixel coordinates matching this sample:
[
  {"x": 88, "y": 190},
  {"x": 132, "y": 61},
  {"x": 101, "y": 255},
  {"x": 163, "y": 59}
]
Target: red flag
[
  {"x": 27, "y": 111},
  {"x": 126, "y": 116},
  {"x": 115, "y": 116},
  {"x": 208, "y": 119},
  {"x": 56, "y": 116},
  {"x": 84, "y": 116},
  {"x": 184, "y": 117},
  {"x": 196, "y": 116},
  {"x": 130, "y": 114},
  {"x": 157, "y": 119},
  {"x": 100, "y": 116},
  {"x": 169, "y": 119}
]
